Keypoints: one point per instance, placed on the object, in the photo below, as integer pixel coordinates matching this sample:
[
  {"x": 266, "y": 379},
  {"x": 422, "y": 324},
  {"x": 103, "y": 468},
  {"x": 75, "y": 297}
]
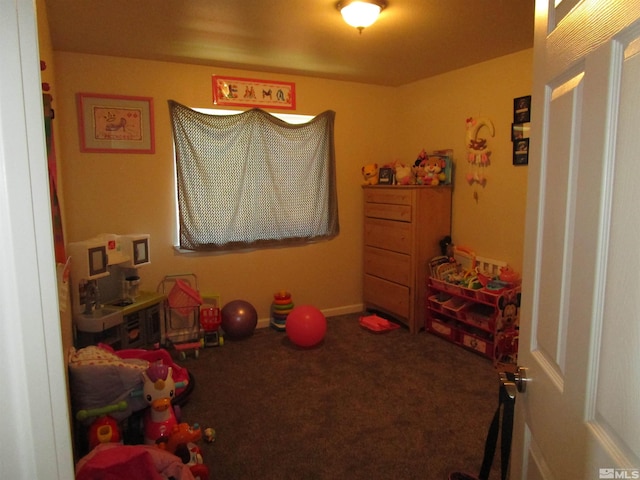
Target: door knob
[{"x": 515, "y": 382}]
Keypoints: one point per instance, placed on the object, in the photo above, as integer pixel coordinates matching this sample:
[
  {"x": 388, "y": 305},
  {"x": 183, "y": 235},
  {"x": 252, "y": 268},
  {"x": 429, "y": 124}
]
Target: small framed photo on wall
[
  {"x": 522, "y": 109},
  {"x": 521, "y": 151},
  {"x": 519, "y": 130}
]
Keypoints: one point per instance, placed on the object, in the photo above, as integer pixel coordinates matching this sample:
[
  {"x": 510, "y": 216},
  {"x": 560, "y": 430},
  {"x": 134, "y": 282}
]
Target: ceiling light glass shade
[{"x": 361, "y": 13}]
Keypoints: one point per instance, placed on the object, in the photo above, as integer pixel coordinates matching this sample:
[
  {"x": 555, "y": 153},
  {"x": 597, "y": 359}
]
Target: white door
[{"x": 580, "y": 334}]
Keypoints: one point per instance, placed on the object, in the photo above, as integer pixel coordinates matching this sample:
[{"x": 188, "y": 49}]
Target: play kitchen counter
[
  {"x": 123, "y": 326},
  {"x": 403, "y": 226}
]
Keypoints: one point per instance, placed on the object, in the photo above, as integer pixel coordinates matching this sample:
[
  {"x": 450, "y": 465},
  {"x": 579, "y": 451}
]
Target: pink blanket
[{"x": 112, "y": 461}]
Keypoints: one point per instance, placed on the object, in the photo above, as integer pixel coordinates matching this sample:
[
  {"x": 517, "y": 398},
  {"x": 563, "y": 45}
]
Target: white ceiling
[{"x": 412, "y": 39}]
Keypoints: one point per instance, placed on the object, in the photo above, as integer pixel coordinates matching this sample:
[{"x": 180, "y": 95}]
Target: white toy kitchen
[{"x": 108, "y": 305}]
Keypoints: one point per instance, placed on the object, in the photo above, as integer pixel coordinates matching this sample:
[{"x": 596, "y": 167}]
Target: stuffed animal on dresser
[
  {"x": 370, "y": 174},
  {"x": 433, "y": 171},
  {"x": 404, "y": 174}
]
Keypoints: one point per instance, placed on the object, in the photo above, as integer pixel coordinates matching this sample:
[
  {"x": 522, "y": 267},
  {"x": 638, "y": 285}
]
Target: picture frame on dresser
[{"x": 385, "y": 176}]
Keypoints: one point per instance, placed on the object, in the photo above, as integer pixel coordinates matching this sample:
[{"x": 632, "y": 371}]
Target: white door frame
[{"x": 34, "y": 403}]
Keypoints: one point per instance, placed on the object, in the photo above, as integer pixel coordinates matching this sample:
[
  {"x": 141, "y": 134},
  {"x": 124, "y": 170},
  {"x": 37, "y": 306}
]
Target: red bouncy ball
[
  {"x": 239, "y": 319},
  {"x": 306, "y": 326}
]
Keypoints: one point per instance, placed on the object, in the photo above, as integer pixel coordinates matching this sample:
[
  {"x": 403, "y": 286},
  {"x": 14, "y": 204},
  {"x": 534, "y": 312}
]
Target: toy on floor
[
  {"x": 159, "y": 388},
  {"x": 105, "y": 428},
  {"x": 209, "y": 435},
  {"x": 181, "y": 433},
  {"x": 210, "y": 321},
  {"x": 306, "y": 326},
  {"x": 239, "y": 319},
  {"x": 182, "y": 329},
  {"x": 191, "y": 456},
  {"x": 281, "y": 307},
  {"x": 181, "y": 442},
  {"x": 377, "y": 324}
]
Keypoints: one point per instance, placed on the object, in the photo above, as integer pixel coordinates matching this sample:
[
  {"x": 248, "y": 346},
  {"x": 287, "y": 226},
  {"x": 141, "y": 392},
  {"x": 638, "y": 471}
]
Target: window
[{"x": 251, "y": 180}]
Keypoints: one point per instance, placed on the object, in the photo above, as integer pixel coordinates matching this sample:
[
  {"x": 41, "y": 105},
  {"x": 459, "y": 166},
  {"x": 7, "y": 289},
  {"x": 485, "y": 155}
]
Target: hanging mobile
[{"x": 478, "y": 153}]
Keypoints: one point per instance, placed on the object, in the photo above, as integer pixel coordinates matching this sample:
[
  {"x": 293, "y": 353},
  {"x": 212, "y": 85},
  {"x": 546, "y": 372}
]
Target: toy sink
[{"x": 99, "y": 320}]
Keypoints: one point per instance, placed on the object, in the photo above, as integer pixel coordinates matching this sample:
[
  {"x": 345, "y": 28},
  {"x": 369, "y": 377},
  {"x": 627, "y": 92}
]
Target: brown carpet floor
[{"x": 361, "y": 405}]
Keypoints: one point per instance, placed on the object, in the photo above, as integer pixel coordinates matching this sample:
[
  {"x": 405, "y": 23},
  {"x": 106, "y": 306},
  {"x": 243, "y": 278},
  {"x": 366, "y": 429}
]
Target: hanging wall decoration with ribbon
[{"x": 478, "y": 151}]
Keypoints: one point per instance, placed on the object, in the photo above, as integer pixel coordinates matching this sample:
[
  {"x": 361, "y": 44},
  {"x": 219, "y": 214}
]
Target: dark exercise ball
[{"x": 239, "y": 319}]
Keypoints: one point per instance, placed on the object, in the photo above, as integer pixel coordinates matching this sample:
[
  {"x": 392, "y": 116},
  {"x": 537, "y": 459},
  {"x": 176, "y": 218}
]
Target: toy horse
[{"x": 159, "y": 389}]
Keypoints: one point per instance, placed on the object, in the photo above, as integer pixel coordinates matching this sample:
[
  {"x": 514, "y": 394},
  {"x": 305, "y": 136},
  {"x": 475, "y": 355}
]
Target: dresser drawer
[
  {"x": 393, "y": 195},
  {"x": 387, "y": 234},
  {"x": 388, "y": 265},
  {"x": 387, "y": 295},
  {"x": 388, "y": 210}
]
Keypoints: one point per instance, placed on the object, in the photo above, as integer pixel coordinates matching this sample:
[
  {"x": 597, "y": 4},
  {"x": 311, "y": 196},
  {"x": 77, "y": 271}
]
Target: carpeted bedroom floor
[{"x": 361, "y": 405}]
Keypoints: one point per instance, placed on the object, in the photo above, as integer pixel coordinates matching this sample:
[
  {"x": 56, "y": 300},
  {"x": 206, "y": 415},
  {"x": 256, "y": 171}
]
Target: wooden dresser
[{"x": 403, "y": 226}]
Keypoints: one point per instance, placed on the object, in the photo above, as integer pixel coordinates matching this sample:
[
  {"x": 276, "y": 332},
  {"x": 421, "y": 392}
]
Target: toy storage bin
[
  {"x": 435, "y": 303},
  {"x": 445, "y": 328},
  {"x": 437, "y": 300},
  {"x": 452, "y": 288},
  {"x": 474, "y": 342},
  {"x": 488, "y": 296},
  {"x": 455, "y": 307},
  {"x": 469, "y": 293},
  {"x": 437, "y": 283},
  {"x": 481, "y": 316}
]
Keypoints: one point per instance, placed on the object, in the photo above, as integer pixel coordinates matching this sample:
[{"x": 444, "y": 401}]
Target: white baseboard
[{"x": 328, "y": 312}]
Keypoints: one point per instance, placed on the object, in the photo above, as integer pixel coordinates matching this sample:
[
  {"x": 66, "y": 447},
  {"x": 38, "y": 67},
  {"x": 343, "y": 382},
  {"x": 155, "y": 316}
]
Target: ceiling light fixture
[{"x": 361, "y": 13}]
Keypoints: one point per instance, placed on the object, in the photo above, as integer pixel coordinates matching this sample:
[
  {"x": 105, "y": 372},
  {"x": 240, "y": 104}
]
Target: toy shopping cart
[
  {"x": 211, "y": 321},
  {"x": 182, "y": 329}
]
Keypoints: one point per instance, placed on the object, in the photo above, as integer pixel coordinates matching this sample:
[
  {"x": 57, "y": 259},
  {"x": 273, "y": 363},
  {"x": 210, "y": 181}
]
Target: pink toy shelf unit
[{"x": 475, "y": 302}]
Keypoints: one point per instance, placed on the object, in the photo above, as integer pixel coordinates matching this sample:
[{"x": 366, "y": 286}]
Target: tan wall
[
  {"x": 433, "y": 116},
  {"x": 125, "y": 193},
  {"x": 120, "y": 193}
]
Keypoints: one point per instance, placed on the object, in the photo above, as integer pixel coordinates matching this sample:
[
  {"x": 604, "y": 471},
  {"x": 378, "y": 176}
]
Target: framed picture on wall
[
  {"x": 519, "y": 130},
  {"x": 115, "y": 123},
  {"x": 521, "y": 151},
  {"x": 522, "y": 109}
]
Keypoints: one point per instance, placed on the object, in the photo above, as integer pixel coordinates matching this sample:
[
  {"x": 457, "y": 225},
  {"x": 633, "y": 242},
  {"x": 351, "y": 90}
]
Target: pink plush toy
[
  {"x": 433, "y": 171},
  {"x": 404, "y": 174}
]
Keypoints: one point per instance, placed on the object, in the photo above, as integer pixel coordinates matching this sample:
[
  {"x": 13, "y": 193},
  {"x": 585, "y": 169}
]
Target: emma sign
[{"x": 248, "y": 92}]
